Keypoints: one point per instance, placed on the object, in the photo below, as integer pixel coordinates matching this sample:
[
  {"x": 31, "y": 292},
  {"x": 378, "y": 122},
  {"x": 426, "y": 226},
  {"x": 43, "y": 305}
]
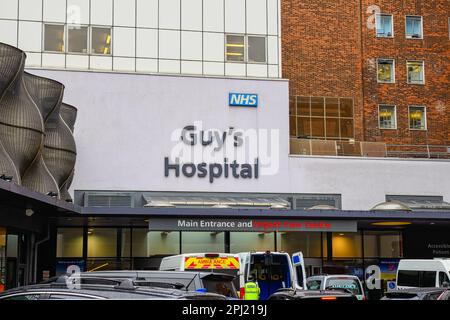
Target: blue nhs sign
[{"x": 243, "y": 100}]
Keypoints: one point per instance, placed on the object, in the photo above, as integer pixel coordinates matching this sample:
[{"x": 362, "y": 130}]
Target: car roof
[
  {"x": 323, "y": 276},
  {"x": 313, "y": 293}
]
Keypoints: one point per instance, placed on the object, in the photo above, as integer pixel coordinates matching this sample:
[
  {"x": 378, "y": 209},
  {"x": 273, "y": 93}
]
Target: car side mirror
[{"x": 445, "y": 284}]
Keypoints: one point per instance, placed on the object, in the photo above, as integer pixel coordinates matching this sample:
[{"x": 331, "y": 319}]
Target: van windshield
[{"x": 347, "y": 284}]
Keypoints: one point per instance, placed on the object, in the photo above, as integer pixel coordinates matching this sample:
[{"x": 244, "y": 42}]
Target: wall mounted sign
[
  {"x": 257, "y": 225},
  {"x": 243, "y": 100}
]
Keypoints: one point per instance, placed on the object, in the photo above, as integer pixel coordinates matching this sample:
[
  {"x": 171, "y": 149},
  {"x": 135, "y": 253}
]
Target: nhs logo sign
[{"x": 243, "y": 100}]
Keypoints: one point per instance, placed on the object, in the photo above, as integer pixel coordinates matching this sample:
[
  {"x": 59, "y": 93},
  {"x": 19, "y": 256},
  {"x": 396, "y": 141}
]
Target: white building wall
[
  {"x": 149, "y": 36},
  {"x": 125, "y": 122}
]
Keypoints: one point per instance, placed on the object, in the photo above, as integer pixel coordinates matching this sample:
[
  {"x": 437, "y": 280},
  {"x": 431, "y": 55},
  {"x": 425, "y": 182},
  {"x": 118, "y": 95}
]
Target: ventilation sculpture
[{"x": 37, "y": 147}]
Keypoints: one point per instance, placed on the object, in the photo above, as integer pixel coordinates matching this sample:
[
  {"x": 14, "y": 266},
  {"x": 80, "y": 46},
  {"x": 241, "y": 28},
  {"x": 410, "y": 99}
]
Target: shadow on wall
[{"x": 37, "y": 147}]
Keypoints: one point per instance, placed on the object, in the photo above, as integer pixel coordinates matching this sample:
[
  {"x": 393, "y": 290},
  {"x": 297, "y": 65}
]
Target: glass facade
[{"x": 2, "y": 259}]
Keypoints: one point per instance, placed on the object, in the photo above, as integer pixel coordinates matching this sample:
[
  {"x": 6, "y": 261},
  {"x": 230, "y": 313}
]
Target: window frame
[
  {"x": 392, "y": 24},
  {"x": 88, "y": 39},
  {"x": 226, "y": 50},
  {"x": 424, "y": 117},
  {"x": 393, "y": 70},
  {"x": 91, "y": 27},
  {"x": 44, "y": 24},
  {"x": 247, "y": 48},
  {"x": 423, "y": 73},
  {"x": 395, "y": 116},
  {"x": 421, "y": 27}
]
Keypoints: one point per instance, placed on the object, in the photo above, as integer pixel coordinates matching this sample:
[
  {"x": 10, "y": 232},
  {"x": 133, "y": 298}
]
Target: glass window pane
[
  {"x": 69, "y": 242},
  {"x": 384, "y": 25},
  {"x": 292, "y": 109},
  {"x": 54, "y": 38},
  {"x": 332, "y": 107},
  {"x": 415, "y": 72},
  {"x": 318, "y": 127},
  {"x": 78, "y": 39},
  {"x": 101, "y": 41},
  {"x": 387, "y": 117},
  {"x": 347, "y": 245},
  {"x": 347, "y": 128},
  {"x": 417, "y": 118},
  {"x": 317, "y": 107},
  {"x": 192, "y": 242},
  {"x": 147, "y": 243},
  {"x": 386, "y": 71},
  {"x": 292, "y": 126},
  {"x": 303, "y": 106},
  {"x": 332, "y": 127},
  {"x": 413, "y": 27},
  {"x": 102, "y": 242},
  {"x": 346, "y": 108},
  {"x": 303, "y": 127},
  {"x": 251, "y": 241},
  {"x": 235, "y": 48},
  {"x": 256, "y": 49},
  {"x": 307, "y": 242},
  {"x": 126, "y": 243}
]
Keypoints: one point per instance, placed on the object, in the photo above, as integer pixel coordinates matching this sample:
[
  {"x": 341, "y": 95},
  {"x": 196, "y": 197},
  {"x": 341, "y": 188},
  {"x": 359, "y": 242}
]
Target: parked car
[
  {"x": 418, "y": 294},
  {"x": 420, "y": 273},
  {"x": 323, "y": 295},
  {"x": 213, "y": 282},
  {"x": 124, "y": 290},
  {"x": 348, "y": 283}
]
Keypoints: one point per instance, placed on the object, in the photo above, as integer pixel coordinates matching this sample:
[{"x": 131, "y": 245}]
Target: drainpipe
[{"x": 36, "y": 252}]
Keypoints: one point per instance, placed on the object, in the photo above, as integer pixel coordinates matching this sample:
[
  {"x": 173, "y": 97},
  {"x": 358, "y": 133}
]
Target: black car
[
  {"x": 418, "y": 294},
  {"x": 318, "y": 295},
  {"x": 119, "y": 290}
]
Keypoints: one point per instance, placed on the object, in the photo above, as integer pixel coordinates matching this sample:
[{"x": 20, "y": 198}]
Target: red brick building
[{"x": 389, "y": 58}]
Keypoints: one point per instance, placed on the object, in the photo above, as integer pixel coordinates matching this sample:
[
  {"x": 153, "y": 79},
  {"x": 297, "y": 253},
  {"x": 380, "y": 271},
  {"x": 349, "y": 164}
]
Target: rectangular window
[
  {"x": 386, "y": 70},
  {"x": 77, "y": 41},
  {"x": 69, "y": 242},
  {"x": 387, "y": 116},
  {"x": 414, "y": 27},
  {"x": 416, "y": 74},
  {"x": 101, "y": 40},
  {"x": 102, "y": 242},
  {"x": 235, "y": 48},
  {"x": 202, "y": 242},
  {"x": 417, "y": 118},
  {"x": 384, "y": 26},
  {"x": 256, "y": 49},
  {"x": 54, "y": 38}
]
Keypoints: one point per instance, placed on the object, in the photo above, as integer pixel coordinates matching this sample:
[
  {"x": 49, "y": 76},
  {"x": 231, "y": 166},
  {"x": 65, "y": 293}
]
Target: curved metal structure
[{"x": 37, "y": 147}]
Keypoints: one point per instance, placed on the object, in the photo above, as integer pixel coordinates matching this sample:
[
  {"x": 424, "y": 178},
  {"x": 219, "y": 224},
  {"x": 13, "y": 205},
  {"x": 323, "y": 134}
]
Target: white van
[
  {"x": 271, "y": 270},
  {"x": 423, "y": 273}
]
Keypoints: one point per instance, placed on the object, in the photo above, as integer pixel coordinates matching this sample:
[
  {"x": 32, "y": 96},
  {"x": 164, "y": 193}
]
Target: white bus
[{"x": 271, "y": 270}]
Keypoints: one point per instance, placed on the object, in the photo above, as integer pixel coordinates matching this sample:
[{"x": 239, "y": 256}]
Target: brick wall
[{"x": 330, "y": 49}]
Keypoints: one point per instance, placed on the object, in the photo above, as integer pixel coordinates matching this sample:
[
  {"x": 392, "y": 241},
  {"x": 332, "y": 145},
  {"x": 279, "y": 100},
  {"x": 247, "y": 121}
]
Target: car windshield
[
  {"x": 225, "y": 288},
  {"x": 347, "y": 284}
]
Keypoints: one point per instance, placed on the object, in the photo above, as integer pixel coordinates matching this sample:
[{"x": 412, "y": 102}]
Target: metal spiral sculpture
[{"x": 37, "y": 147}]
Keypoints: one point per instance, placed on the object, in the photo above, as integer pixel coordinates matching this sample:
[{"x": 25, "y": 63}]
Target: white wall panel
[
  {"x": 123, "y": 64},
  {"x": 101, "y": 63},
  {"x": 53, "y": 60},
  {"x": 146, "y": 65},
  {"x": 274, "y": 71},
  {"x": 78, "y": 11},
  {"x": 213, "y": 15},
  {"x": 191, "y": 67},
  {"x": 169, "y": 66},
  {"x": 30, "y": 36},
  {"x": 33, "y": 59},
  {"x": 272, "y": 49},
  {"x": 273, "y": 16},
  {"x": 169, "y": 14},
  {"x": 30, "y": 10},
  {"x": 191, "y": 45},
  {"x": 235, "y": 16},
  {"x": 147, "y": 13},
  {"x": 124, "y": 13},
  {"x": 256, "y": 17},
  {"x": 147, "y": 43},
  {"x": 235, "y": 69},
  {"x": 76, "y": 61},
  {"x": 257, "y": 70},
  {"x": 213, "y": 68},
  {"x": 102, "y": 12},
  {"x": 191, "y": 15},
  {"x": 54, "y": 11},
  {"x": 9, "y": 9},
  {"x": 213, "y": 46},
  {"x": 8, "y": 32},
  {"x": 169, "y": 44},
  {"x": 124, "y": 42}
]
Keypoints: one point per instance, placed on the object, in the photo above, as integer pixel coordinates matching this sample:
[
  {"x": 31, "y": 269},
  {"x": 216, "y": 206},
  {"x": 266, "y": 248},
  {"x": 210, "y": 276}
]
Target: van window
[
  {"x": 410, "y": 278},
  {"x": 443, "y": 277}
]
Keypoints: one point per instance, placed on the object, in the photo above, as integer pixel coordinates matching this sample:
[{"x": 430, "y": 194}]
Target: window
[
  {"x": 252, "y": 241},
  {"x": 420, "y": 279},
  {"x": 384, "y": 26},
  {"x": 102, "y": 242},
  {"x": 387, "y": 116},
  {"x": 443, "y": 278},
  {"x": 54, "y": 38},
  {"x": 414, "y": 27},
  {"x": 256, "y": 49},
  {"x": 386, "y": 70},
  {"x": 77, "y": 39},
  {"x": 314, "y": 284},
  {"x": 235, "y": 48},
  {"x": 417, "y": 118},
  {"x": 101, "y": 40},
  {"x": 69, "y": 242},
  {"x": 202, "y": 242},
  {"x": 416, "y": 73},
  {"x": 251, "y": 49}
]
